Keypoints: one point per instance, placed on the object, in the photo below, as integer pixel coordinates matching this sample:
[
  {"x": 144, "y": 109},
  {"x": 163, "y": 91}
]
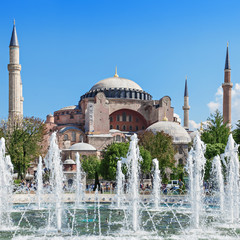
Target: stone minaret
[
  {"x": 15, "y": 82},
  {"x": 227, "y": 91},
  {"x": 186, "y": 107}
]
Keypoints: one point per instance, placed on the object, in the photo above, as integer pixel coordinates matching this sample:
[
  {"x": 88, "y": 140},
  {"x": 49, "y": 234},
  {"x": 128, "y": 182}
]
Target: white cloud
[
  {"x": 193, "y": 125},
  {"x": 178, "y": 117},
  {"x": 213, "y": 106},
  {"x": 217, "y": 103}
]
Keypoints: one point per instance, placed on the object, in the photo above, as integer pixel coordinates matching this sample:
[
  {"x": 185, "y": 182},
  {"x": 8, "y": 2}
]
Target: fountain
[
  {"x": 132, "y": 161},
  {"x": 39, "y": 182},
  {"x": 156, "y": 183},
  {"x": 53, "y": 163},
  {"x": 120, "y": 179},
  {"x": 79, "y": 186},
  {"x": 218, "y": 181},
  {"x": 195, "y": 166},
  {"x": 231, "y": 160},
  {"x": 6, "y": 186},
  {"x": 134, "y": 217}
]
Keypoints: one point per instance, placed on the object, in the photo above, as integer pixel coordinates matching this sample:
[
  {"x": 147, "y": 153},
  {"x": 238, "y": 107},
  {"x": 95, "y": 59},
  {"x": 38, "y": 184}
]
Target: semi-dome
[
  {"x": 116, "y": 82},
  {"x": 175, "y": 130},
  {"x": 82, "y": 147}
]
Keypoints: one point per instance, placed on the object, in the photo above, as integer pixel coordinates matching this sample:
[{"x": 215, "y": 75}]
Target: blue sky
[{"x": 68, "y": 46}]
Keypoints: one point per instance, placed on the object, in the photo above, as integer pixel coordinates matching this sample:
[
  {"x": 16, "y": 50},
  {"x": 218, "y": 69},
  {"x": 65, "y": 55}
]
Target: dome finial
[
  {"x": 201, "y": 126},
  {"x": 116, "y": 75},
  {"x": 165, "y": 117},
  {"x": 14, "y": 21}
]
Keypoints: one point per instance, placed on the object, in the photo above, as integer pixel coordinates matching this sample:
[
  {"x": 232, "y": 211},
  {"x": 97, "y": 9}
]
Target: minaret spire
[
  {"x": 186, "y": 106},
  {"x": 15, "y": 82},
  {"x": 227, "y": 91},
  {"x": 14, "y": 39},
  {"x": 227, "y": 61}
]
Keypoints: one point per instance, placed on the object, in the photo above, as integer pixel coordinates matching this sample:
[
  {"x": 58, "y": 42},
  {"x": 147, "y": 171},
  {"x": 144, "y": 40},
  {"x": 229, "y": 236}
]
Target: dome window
[
  {"x": 74, "y": 136},
  {"x": 65, "y": 137}
]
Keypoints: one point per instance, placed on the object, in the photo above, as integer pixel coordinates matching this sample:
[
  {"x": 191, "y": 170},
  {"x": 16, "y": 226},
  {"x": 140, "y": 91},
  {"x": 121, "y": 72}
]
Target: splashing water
[
  {"x": 231, "y": 160},
  {"x": 79, "y": 186},
  {"x": 156, "y": 183},
  {"x": 120, "y": 179},
  {"x": 6, "y": 186},
  {"x": 39, "y": 182},
  {"x": 218, "y": 179},
  {"x": 195, "y": 166},
  {"x": 53, "y": 163},
  {"x": 132, "y": 162}
]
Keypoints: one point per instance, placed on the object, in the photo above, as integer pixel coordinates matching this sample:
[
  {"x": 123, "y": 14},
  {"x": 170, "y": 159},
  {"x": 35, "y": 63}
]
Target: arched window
[
  {"x": 130, "y": 128},
  {"x": 117, "y": 127},
  {"x": 124, "y": 128},
  {"x": 65, "y": 137},
  {"x": 124, "y": 116},
  {"x": 118, "y": 138},
  {"x": 74, "y": 136},
  {"x": 118, "y": 118},
  {"x": 111, "y": 127},
  {"x": 143, "y": 127},
  {"x": 136, "y": 128},
  {"x": 111, "y": 119},
  {"x": 130, "y": 118}
]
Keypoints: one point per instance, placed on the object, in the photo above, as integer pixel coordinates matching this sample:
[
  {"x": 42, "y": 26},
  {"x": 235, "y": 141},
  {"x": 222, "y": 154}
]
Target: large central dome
[
  {"x": 116, "y": 82},
  {"x": 117, "y": 87}
]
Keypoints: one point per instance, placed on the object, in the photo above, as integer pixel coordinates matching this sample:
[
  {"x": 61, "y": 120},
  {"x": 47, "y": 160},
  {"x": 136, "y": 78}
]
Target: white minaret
[
  {"x": 186, "y": 107},
  {"x": 15, "y": 82}
]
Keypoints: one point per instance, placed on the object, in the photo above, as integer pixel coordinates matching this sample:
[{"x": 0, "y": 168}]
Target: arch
[{"x": 127, "y": 120}]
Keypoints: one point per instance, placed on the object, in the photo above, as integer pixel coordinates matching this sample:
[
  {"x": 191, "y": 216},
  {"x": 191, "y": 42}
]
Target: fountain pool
[{"x": 131, "y": 215}]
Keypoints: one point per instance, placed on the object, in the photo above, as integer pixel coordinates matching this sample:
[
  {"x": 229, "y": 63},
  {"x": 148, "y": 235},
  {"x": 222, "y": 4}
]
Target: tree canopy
[
  {"x": 236, "y": 134},
  {"x": 23, "y": 141},
  {"x": 216, "y": 131},
  {"x": 160, "y": 146},
  {"x": 215, "y": 135},
  {"x": 114, "y": 152},
  {"x": 90, "y": 165}
]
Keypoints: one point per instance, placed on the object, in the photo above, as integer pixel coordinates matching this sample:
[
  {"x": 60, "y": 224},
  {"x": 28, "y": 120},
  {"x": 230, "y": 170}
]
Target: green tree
[
  {"x": 215, "y": 135},
  {"x": 90, "y": 165},
  {"x": 236, "y": 134},
  {"x": 114, "y": 152},
  {"x": 23, "y": 141},
  {"x": 160, "y": 146},
  {"x": 216, "y": 131}
]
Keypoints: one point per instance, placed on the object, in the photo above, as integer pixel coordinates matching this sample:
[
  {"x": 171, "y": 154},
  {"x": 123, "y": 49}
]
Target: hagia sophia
[{"x": 111, "y": 111}]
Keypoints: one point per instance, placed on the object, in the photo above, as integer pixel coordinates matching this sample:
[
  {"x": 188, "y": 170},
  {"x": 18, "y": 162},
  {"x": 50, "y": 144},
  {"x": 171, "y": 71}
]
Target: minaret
[
  {"x": 186, "y": 107},
  {"x": 15, "y": 82},
  {"x": 227, "y": 91}
]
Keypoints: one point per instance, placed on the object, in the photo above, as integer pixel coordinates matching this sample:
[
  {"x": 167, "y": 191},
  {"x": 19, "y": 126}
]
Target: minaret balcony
[{"x": 14, "y": 67}]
